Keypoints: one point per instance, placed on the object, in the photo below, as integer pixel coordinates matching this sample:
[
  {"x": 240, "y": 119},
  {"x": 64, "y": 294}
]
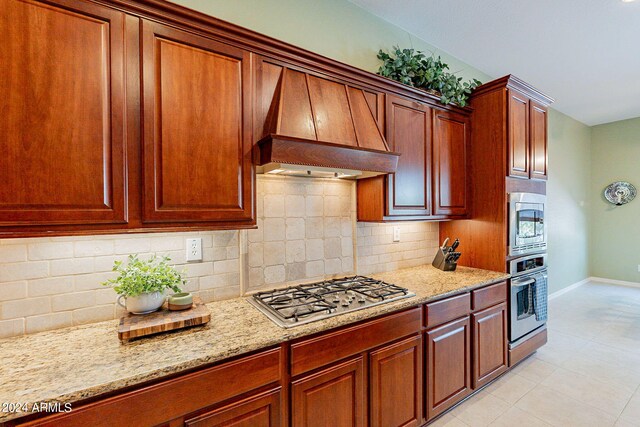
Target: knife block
[{"x": 440, "y": 261}]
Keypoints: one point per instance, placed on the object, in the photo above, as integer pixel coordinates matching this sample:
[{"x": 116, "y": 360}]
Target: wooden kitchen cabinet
[
  {"x": 527, "y": 137},
  {"x": 451, "y": 134},
  {"x": 262, "y": 410},
  {"x": 63, "y": 114},
  {"x": 395, "y": 384},
  {"x": 490, "y": 344},
  {"x": 519, "y": 147},
  {"x": 409, "y": 133},
  {"x": 447, "y": 365},
  {"x": 431, "y": 179},
  {"x": 197, "y": 128},
  {"x": 538, "y": 138},
  {"x": 335, "y": 396}
]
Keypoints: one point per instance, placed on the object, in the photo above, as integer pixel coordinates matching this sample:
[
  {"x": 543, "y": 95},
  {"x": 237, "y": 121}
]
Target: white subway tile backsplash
[
  {"x": 63, "y": 267},
  {"x": 86, "y": 248},
  {"x": 306, "y": 232},
  {"x": 11, "y": 328},
  {"x": 48, "y": 321},
  {"x": 50, "y": 286},
  {"x": 10, "y": 272},
  {"x": 13, "y": 290},
  {"x": 13, "y": 253},
  {"x": 50, "y": 250},
  {"x": 24, "y": 307},
  {"x": 71, "y": 301},
  {"x": 134, "y": 245},
  {"x": 93, "y": 314}
]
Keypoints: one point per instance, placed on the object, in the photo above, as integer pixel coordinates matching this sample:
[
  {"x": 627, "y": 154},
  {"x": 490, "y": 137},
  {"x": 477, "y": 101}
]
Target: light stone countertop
[{"x": 76, "y": 363}]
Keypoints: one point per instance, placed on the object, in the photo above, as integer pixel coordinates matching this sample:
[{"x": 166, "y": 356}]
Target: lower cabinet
[
  {"x": 395, "y": 384},
  {"x": 448, "y": 365},
  {"x": 262, "y": 410},
  {"x": 490, "y": 346},
  {"x": 334, "y": 396}
]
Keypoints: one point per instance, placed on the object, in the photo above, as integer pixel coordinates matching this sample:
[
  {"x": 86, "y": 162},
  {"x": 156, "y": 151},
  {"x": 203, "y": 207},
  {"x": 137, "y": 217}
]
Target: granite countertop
[{"x": 76, "y": 363}]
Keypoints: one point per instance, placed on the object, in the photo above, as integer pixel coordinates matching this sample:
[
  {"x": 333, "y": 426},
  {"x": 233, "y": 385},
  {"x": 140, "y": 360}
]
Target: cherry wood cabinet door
[
  {"x": 61, "y": 114},
  {"x": 538, "y": 140},
  {"x": 197, "y": 128},
  {"x": 332, "y": 397},
  {"x": 262, "y": 410},
  {"x": 448, "y": 365},
  {"x": 395, "y": 375},
  {"x": 518, "y": 125},
  {"x": 408, "y": 125},
  {"x": 490, "y": 345},
  {"x": 451, "y": 134}
]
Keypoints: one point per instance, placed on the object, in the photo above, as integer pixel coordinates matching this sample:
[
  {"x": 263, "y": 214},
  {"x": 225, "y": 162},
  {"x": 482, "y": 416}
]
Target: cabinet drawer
[
  {"x": 448, "y": 309},
  {"x": 175, "y": 397},
  {"x": 489, "y": 296},
  {"x": 262, "y": 410},
  {"x": 333, "y": 346}
]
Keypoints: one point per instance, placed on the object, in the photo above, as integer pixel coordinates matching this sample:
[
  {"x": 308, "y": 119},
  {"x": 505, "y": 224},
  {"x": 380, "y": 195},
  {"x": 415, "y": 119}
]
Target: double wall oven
[{"x": 527, "y": 265}]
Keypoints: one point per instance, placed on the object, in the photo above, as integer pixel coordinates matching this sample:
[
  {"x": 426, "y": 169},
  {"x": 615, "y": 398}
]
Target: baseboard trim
[
  {"x": 569, "y": 288},
  {"x": 615, "y": 282}
]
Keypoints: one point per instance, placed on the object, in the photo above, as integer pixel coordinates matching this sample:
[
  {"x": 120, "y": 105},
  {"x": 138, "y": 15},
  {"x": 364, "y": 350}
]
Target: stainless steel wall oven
[{"x": 527, "y": 226}]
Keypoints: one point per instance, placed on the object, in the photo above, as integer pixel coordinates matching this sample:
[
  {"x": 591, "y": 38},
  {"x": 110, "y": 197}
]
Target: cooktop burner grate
[{"x": 306, "y": 303}]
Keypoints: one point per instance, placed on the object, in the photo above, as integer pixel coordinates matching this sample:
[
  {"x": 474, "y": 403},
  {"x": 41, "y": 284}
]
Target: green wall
[
  {"x": 337, "y": 29},
  {"x": 615, "y": 230},
  {"x": 343, "y": 31},
  {"x": 568, "y": 192}
]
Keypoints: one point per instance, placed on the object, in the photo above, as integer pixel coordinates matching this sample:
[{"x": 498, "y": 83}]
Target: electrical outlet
[
  {"x": 194, "y": 249},
  {"x": 638, "y": 268},
  {"x": 396, "y": 233}
]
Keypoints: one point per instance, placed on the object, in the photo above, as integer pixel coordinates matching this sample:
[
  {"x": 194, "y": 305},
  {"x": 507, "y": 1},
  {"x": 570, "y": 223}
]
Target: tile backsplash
[{"x": 307, "y": 231}]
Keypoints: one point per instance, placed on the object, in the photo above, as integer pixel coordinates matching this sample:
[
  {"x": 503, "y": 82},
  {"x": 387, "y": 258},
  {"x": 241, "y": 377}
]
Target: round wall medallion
[{"x": 620, "y": 193}]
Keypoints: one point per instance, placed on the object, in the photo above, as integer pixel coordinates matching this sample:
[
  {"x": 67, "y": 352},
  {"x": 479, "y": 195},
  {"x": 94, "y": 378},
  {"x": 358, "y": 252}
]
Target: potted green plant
[
  {"x": 142, "y": 284},
  {"x": 428, "y": 73}
]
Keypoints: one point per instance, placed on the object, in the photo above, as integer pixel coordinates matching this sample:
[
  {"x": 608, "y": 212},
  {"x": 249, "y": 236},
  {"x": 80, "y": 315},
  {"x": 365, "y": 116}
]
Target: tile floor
[{"x": 588, "y": 374}]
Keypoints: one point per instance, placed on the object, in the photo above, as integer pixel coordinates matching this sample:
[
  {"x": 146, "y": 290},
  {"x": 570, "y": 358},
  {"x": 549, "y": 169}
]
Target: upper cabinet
[
  {"x": 409, "y": 133},
  {"x": 538, "y": 138},
  {"x": 451, "y": 134},
  {"x": 431, "y": 179},
  {"x": 63, "y": 115},
  {"x": 519, "y": 146},
  {"x": 509, "y": 102},
  {"x": 197, "y": 128}
]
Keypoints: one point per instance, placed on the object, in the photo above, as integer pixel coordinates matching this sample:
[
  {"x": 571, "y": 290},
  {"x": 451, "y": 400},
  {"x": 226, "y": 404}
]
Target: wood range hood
[{"x": 320, "y": 127}]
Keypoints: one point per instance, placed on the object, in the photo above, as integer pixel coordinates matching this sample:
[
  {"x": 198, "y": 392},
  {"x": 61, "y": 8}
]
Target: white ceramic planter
[{"x": 143, "y": 303}]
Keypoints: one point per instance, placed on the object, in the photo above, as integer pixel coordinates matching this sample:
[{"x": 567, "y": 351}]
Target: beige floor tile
[
  {"x": 603, "y": 371},
  {"x": 511, "y": 387},
  {"x": 560, "y": 410},
  {"x": 534, "y": 369},
  {"x": 611, "y": 399},
  {"x": 632, "y": 410},
  {"x": 481, "y": 410},
  {"x": 515, "y": 417},
  {"x": 625, "y": 422},
  {"x": 448, "y": 420},
  {"x": 560, "y": 347}
]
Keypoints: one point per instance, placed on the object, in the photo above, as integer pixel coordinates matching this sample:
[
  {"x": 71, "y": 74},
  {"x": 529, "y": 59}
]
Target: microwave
[{"x": 527, "y": 225}]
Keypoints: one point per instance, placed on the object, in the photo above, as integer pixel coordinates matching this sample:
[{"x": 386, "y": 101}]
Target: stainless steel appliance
[
  {"x": 528, "y": 296},
  {"x": 297, "y": 305},
  {"x": 527, "y": 226}
]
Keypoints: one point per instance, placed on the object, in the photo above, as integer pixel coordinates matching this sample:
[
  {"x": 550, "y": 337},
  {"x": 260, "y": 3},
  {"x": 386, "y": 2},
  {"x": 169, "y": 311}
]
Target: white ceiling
[{"x": 583, "y": 53}]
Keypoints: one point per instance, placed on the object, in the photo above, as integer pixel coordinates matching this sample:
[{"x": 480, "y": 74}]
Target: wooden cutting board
[{"x": 135, "y": 325}]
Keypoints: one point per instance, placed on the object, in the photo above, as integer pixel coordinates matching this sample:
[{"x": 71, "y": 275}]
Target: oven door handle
[{"x": 522, "y": 282}]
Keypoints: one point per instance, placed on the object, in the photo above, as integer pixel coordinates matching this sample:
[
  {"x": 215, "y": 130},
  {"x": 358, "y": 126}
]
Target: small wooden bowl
[{"x": 181, "y": 301}]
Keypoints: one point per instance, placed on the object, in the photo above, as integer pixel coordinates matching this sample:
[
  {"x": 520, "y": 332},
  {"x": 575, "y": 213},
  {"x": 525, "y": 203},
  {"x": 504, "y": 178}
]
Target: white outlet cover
[
  {"x": 396, "y": 233},
  {"x": 194, "y": 249}
]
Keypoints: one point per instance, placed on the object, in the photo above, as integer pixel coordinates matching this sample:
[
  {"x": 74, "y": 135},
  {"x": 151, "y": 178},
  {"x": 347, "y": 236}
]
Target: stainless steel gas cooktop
[{"x": 297, "y": 305}]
